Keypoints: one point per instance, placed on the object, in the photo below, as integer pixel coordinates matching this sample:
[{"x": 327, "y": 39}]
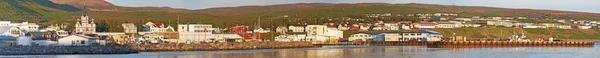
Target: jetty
[{"x": 475, "y": 44}]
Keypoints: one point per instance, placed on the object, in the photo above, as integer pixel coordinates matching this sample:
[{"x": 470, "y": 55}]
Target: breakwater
[
  {"x": 48, "y": 50},
  {"x": 475, "y": 44},
  {"x": 219, "y": 46}
]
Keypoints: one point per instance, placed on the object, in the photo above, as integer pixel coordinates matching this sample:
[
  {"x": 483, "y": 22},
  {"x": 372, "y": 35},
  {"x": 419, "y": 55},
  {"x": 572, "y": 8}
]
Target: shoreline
[
  {"x": 63, "y": 50},
  {"x": 220, "y": 46}
]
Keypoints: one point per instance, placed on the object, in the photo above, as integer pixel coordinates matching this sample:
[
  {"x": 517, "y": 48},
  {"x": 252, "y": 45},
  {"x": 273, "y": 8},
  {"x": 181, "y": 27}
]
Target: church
[{"x": 85, "y": 25}]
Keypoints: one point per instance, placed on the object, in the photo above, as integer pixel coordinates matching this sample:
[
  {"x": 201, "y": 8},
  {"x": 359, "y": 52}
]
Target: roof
[
  {"x": 40, "y": 35},
  {"x": 423, "y": 23},
  {"x": 158, "y": 25},
  {"x": 250, "y": 35},
  {"x": 370, "y": 33},
  {"x": 429, "y": 32},
  {"x": 129, "y": 25}
]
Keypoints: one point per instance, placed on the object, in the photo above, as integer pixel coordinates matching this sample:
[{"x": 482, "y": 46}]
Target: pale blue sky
[{"x": 565, "y": 5}]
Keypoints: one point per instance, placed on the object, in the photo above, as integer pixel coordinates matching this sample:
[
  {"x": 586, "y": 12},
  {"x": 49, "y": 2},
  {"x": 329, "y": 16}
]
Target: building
[
  {"x": 195, "y": 32},
  {"x": 413, "y": 36},
  {"x": 281, "y": 29},
  {"x": 362, "y": 36},
  {"x": 506, "y": 23},
  {"x": 238, "y": 29},
  {"x": 76, "y": 40},
  {"x": 391, "y": 26},
  {"x": 85, "y": 25},
  {"x": 157, "y": 27},
  {"x": 296, "y": 28},
  {"x": 564, "y": 27},
  {"x": 17, "y": 28},
  {"x": 129, "y": 28},
  {"x": 425, "y": 25},
  {"x": 431, "y": 35},
  {"x": 315, "y": 29}
]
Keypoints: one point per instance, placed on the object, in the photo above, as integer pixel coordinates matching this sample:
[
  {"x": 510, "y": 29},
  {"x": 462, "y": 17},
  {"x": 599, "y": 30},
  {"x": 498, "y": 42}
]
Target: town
[{"x": 85, "y": 33}]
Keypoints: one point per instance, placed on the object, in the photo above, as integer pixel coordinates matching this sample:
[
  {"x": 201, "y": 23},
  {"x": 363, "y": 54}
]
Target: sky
[{"x": 563, "y": 5}]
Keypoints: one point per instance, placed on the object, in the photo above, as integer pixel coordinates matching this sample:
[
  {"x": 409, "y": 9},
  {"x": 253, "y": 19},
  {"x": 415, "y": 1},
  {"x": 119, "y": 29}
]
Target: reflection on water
[{"x": 365, "y": 52}]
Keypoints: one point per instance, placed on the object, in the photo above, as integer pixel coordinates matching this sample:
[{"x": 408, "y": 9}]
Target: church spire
[{"x": 84, "y": 13}]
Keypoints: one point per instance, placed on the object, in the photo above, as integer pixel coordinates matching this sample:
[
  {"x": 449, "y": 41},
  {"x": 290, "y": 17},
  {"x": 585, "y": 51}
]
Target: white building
[
  {"x": 362, "y": 36},
  {"x": 194, "y": 32},
  {"x": 281, "y": 29},
  {"x": 505, "y": 23},
  {"x": 296, "y": 28},
  {"x": 391, "y": 26},
  {"x": 78, "y": 40},
  {"x": 425, "y": 25},
  {"x": 85, "y": 25},
  {"x": 315, "y": 29},
  {"x": 534, "y": 26},
  {"x": 564, "y": 27},
  {"x": 584, "y": 27},
  {"x": 322, "y": 33},
  {"x": 413, "y": 36},
  {"x": 158, "y": 27},
  {"x": 129, "y": 28}
]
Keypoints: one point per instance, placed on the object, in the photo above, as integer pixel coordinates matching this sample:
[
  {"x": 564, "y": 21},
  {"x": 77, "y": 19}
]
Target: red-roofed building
[
  {"x": 238, "y": 29},
  {"x": 157, "y": 27}
]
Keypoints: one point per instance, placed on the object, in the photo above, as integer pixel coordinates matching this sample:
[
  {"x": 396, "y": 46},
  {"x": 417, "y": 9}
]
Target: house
[
  {"x": 77, "y": 40},
  {"x": 362, "y": 36},
  {"x": 425, "y": 25},
  {"x": 157, "y": 27},
  {"x": 85, "y": 25},
  {"x": 297, "y": 28},
  {"x": 225, "y": 38},
  {"x": 364, "y": 27},
  {"x": 37, "y": 38},
  {"x": 343, "y": 27},
  {"x": 261, "y": 30},
  {"x": 22, "y": 27},
  {"x": 194, "y": 32},
  {"x": 281, "y": 29},
  {"x": 406, "y": 26},
  {"x": 129, "y": 28},
  {"x": 391, "y": 26}
]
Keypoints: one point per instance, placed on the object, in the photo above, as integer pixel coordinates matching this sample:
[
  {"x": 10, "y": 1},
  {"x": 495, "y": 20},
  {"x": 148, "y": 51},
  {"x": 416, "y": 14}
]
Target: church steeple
[{"x": 84, "y": 13}]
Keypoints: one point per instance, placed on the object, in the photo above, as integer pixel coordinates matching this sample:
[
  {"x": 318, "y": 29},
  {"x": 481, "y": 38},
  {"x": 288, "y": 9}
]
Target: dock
[{"x": 476, "y": 44}]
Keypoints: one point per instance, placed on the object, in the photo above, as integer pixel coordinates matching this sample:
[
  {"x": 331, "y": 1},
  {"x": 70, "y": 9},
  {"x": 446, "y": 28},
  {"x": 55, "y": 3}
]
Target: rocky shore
[
  {"x": 220, "y": 46},
  {"x": 46, "y": 50}
]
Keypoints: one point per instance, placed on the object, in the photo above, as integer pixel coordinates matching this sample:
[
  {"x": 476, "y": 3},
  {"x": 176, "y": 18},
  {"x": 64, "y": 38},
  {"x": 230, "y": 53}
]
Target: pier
[{"x": 476, "y": 44}]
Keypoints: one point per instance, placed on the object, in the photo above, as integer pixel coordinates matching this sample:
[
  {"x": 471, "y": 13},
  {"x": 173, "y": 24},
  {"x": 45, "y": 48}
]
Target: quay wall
[
  {"x": 49, "y": 50},
  {"x": 471, "y": 44},
  {"x": 219, "y": 46},
  {"x": 397, "y": 43}
]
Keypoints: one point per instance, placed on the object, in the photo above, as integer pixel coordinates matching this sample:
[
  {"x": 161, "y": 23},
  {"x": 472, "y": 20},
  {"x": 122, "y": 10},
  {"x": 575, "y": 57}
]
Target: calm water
[{"x": 365, "y": 52}]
